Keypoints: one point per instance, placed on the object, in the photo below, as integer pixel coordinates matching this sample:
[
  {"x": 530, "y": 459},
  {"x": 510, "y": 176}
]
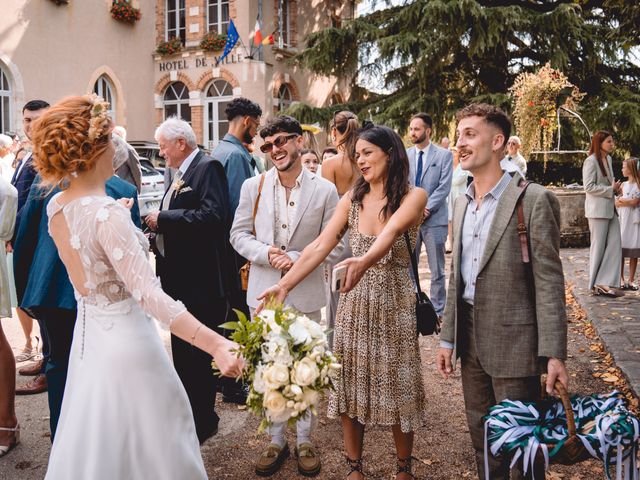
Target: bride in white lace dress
[{"x": 125, "y": 413}]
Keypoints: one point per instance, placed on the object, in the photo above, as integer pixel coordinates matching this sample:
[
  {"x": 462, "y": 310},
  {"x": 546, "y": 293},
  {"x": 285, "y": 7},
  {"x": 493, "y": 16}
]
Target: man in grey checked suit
[
  {"x": 430, "y": 167},
  {"x": 504, "y": 318}
]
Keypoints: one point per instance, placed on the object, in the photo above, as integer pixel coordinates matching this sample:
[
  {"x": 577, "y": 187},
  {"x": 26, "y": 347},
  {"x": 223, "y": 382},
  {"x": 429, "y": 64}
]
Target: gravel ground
[{"x": 442, "y": 448}]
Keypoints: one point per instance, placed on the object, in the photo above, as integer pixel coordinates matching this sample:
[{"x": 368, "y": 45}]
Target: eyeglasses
[{"x": 278, "y": 142}]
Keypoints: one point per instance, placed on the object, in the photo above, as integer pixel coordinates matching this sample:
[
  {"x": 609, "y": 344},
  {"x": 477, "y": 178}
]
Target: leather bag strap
[
  {"x": 414, "y": 264},
  {"x": 255, "y": 205},
  {"x": 523, "y": 234}
]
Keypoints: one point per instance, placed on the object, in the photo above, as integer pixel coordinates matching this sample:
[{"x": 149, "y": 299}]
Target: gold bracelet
[{"x": 193, "y": 337}]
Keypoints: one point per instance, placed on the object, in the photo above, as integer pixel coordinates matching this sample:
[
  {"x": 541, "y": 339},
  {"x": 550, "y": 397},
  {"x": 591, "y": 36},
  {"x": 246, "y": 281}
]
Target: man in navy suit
[
  {"x": 431, "y": 167},
  {"x": 43, "y": 286},
  {"x": 22, "y": 180}
]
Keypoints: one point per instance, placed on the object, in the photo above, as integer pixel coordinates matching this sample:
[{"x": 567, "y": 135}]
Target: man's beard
[
  {"x": 293, "y": 156},
  {"x": 247, "y": 137},
  {"x": 420, "y": 139}
]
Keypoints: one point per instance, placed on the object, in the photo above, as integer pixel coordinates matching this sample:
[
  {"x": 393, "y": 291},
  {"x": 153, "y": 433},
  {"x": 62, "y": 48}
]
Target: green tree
[{"x": 438, "y": 55}]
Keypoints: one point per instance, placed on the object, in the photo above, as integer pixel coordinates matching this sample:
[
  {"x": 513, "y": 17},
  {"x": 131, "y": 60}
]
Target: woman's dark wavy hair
[{"x": 397, "y": 183}]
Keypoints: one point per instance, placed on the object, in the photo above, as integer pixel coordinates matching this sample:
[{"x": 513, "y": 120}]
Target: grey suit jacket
[
  {"x": 519, "y": 317},
  {"x": 437, "y": 170},
  {"x": 599, "y": 200},
  {"x": 318, "y": 200}
]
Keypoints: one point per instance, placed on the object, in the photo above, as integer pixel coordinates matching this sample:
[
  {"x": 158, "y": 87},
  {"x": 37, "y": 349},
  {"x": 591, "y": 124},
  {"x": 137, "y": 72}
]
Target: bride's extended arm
[
  {"x": 406, "y": 216},
  {"x": 314, "y": 254},
  {"x": 117, "y": 236}
]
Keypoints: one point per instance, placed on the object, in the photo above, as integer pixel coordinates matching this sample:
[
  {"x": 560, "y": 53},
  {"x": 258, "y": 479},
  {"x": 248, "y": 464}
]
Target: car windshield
[{"x": 147, "y": 168}]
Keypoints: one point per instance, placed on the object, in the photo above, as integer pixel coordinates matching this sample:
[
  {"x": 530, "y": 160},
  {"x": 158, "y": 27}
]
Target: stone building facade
[
  {"x": 49, "y": 50},
  {"x": 193, "y": 85},
  {"x": 53, "y": 48}
]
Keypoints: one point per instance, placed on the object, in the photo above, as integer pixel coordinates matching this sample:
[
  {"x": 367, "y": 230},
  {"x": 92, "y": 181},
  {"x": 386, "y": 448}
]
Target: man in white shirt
[{"x": 292, "y": 207}]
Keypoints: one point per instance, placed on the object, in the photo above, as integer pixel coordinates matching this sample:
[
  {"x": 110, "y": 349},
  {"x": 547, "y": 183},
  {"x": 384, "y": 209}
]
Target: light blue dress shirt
[{"x": 475, "y": 230}]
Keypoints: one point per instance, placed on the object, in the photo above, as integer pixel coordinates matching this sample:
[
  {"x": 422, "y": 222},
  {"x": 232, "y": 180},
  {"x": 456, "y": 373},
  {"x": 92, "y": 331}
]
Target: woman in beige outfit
[{"x": 600, "y": 189}]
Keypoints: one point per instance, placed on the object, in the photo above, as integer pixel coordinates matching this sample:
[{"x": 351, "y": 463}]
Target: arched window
[
  {"x": 285, "y": 97},
  {"x": 218, "y": 96},
  {"x": 104, "y": 88},
  {"x": 218, "y": 16},
  {"x": 175, "y": 24},
  {"x": 5, "y": 102},
  {"x": 176, "y": 102}
]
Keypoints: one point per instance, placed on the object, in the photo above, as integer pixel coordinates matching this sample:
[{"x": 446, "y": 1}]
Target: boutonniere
[
  {"x": 184, "y": 190},
  {"x": 177, "y": 185}
]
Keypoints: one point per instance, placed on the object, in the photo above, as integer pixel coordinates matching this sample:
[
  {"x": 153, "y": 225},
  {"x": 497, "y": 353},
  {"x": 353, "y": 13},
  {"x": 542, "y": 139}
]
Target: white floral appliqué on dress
[{"x": 125, "y": 413}]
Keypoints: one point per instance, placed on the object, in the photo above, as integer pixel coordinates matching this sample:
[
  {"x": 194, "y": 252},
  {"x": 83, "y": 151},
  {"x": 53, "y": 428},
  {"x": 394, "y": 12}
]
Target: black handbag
[{"x": 427, "y": 320}]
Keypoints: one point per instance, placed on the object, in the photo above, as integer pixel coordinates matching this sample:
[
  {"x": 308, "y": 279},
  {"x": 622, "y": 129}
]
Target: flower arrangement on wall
[
  {"x": 171, "y": 46},
  {"x": 536, "y": 98},
  {"x": 123, "y": 11},
  {"x": 213, "y": 42}
]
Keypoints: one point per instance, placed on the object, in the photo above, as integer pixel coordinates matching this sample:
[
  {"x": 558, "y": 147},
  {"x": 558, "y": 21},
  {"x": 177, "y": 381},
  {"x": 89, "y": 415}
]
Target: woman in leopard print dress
[{"x": 375, "y": 339}]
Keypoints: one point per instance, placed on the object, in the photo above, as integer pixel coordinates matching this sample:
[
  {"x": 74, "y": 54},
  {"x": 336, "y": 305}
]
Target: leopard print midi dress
[{"x": 376, "y": 341}]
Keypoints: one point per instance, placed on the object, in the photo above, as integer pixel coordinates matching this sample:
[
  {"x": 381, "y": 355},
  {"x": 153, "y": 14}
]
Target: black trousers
[
  {"x": 194, "y": 367},
  {"x": 59, "y": 324}
]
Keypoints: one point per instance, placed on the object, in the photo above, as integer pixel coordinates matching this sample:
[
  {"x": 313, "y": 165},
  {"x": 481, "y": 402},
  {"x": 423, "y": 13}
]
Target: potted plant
[
  {"x": 213, "y": 42},
  {"x": 171, "y": 46},
  {"x": 123, "y": 11},
  {"x": 536, "y": 98}
]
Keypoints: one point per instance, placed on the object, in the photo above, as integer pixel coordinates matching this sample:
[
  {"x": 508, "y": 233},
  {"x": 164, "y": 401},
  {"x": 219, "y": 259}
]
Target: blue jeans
[{"x": 434, "y": 239}]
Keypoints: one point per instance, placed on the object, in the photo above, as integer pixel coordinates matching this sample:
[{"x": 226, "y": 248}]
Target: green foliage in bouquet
[{"x": 287, "y": 363}]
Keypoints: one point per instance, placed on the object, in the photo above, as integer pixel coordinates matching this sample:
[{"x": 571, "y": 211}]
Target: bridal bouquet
[{"x": 288, "y": 364}]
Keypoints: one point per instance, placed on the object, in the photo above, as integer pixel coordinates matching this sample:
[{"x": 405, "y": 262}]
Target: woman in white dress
[
  {"x": 9, "y": 429},
  {"x": 125, "y": 413},
  {"x": 628, "y": 205}
]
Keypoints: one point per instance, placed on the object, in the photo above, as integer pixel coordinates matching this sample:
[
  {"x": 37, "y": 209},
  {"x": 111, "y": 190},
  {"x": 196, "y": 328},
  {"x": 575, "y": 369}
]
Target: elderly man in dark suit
[
  {"x": 43, "y": 286},
  {"x": 505, "y": 315},
  {"x": 194, "y": 259}
]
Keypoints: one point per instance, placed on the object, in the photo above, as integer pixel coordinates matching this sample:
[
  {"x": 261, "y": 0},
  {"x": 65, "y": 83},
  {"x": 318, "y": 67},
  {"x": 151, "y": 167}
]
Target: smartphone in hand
[{"x": 338, "y": 276}]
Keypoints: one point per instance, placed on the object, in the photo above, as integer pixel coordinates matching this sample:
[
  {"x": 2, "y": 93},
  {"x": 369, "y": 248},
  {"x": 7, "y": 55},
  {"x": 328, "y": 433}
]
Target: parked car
[
  {"x": 152, "y": 188},
  {"x": 151, "y": 152}
]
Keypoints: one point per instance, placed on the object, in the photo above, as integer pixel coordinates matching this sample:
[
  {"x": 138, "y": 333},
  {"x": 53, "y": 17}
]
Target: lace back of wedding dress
[{"x": 106, "y": 256}]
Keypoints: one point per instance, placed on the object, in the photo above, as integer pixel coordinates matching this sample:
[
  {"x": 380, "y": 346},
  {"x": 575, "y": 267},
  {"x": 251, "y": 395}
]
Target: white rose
[
  {"x": 315, "y": 329},
  {"x": 305, "y": 372},
  {"x": 258, "y": 381},
  {"x": 276, "y": 406},
  {"x": 310, "y": 397},
  {"x": 276, "y": 376},
  {"x": 296, "y": 391},
  {"x": 299, "y": 331},
  {"x": 276, "y": 349},
  {"x": 269, "y": 318}
]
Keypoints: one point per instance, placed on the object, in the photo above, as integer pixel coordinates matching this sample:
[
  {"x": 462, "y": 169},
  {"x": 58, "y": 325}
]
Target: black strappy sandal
[
  {"x": 404, "y": 466},
  {"x": 354, "y": 466}
]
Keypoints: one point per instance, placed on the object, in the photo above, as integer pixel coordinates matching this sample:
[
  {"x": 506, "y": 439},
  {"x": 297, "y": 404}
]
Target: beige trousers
[{"x": 605, "y": 254}]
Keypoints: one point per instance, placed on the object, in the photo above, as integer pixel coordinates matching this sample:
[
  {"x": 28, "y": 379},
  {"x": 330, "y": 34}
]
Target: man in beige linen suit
[
  {"x": 505, "y": 319},
  {"x": 294, "y": 207}
]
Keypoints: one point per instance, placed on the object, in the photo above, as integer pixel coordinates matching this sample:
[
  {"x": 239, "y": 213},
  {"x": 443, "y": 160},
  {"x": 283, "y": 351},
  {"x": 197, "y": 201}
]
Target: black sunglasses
[{"x": 278, "y": 142}]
